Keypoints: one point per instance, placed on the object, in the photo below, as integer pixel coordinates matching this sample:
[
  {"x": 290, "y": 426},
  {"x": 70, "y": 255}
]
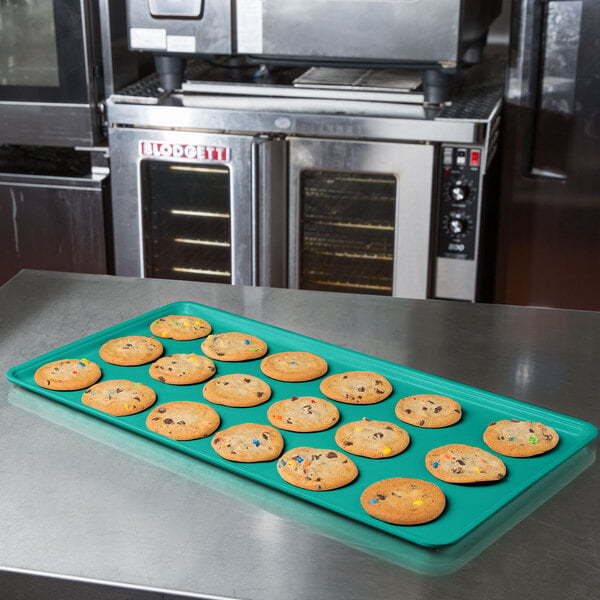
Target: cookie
[
  {"x": 403, "y": 501},
  {"x": 119, "y": 397},
  {"x": 131, "y": 351},
  {"x": 429, "y": 411},
  {"x": 459, "y": 463},
  {"x": 237, "y": 389},
  {"x": 182, "y": 369},
  {"x": 356, "y": 387},
  {"x": 248, "y": 442},
  {"x": 372, "y": 439},
  {"x": 303, "y": 414},
  {"x": 67, "y": 374},
  {"x": 182, "y": 420},
  {"x": 294, "y": 366},
  {"x": 234, "y": 347},
  {"x": 180, "y": 327},
  {"x": 520, "y": 439},
  {"x": 316, "y": 469}
]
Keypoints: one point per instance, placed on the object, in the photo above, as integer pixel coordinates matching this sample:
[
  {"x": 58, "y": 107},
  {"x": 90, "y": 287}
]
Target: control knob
[
  {"x": 459, "y": 190},
  {"x": 458, "y": 224}
]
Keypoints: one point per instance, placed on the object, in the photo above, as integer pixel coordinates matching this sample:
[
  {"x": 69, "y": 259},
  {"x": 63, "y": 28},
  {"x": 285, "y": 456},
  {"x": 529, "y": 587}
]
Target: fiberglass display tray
[{"x": 468, "y": 506}]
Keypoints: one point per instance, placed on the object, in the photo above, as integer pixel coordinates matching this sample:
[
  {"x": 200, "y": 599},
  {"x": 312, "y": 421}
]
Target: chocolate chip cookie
[
  {"x": 356, "y": 387},
  {"x": 183, "y": 420}
]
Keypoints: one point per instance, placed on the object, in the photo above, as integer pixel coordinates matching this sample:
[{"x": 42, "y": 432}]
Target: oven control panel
[{"x": 457, "y": 225}]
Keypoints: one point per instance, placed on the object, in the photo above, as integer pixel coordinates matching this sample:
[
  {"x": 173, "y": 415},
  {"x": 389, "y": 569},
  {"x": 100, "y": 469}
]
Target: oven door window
[
  {"x": 42, "y": 54},
  {"x": 187, "y": 221},
  {"x": 347, "y": 231}
]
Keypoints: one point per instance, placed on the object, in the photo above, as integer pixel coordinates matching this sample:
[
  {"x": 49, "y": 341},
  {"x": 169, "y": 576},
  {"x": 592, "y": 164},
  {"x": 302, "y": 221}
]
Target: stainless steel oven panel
[
  {"x": 390, "y": 30},
  {"x": 413, "y": 167},
  {"x": 162, "y": 29},
  {"x": 126, "y": 157},
  {"x": 46, "y": 124},
  {"x": 456, "y": 279},
  {"x": 270, "y": 210}
]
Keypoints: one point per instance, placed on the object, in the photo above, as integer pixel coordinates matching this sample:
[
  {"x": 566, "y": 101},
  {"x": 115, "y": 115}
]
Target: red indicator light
[{"x": 475, "y": 158}]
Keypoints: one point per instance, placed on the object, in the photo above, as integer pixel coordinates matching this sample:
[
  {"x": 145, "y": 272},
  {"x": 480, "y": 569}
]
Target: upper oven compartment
[
  {"x": 390, "y": 31},
  {"x": 396, "y": 31},
  {"x": 360, "y": 33}
]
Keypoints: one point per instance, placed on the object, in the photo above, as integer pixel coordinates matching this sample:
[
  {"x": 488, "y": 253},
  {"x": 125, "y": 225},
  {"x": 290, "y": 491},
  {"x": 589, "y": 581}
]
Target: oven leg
[
  {"x": 436, "y": 85},
  {"x": 170, "y": 71}
]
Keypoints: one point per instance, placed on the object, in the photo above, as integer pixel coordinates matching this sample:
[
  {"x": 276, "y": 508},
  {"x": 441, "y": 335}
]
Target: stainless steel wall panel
[{"x": 52, "y": 223}]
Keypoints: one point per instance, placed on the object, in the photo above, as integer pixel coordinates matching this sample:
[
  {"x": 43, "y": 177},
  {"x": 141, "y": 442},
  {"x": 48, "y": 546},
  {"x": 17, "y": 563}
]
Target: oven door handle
[{"x": 269, "y": 212}]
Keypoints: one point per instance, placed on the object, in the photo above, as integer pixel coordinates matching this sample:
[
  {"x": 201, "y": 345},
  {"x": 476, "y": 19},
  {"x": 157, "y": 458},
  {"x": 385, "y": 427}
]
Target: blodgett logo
[{"x": 185, "y": 151}]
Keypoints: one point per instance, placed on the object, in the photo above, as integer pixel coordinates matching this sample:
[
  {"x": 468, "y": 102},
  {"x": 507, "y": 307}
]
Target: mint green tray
[{"x": 468, "y": 507}]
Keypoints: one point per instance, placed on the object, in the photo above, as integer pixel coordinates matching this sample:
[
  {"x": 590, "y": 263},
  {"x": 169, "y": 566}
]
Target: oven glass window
[
  {"x": 347, "y": 231},
  {"x": 43, "y": 55},
  {"x": 28, "y": 43},
  {"x": 187, "y": 227}
]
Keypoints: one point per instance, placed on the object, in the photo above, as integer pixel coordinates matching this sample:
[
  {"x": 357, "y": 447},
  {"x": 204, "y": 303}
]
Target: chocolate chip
[
  {"x": 331, "y": 455},
  {"x": 168, "y": 421},
  {"x": 162, "y": 409}
]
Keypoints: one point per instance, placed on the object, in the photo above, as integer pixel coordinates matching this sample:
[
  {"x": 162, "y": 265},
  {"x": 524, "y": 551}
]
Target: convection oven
[{"x": 274, "y": 182}]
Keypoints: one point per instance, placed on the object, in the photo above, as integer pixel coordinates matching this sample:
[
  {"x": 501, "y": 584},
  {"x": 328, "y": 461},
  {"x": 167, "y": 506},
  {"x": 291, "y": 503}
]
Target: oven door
[
  {"x": 360, "y": 216},
  {"x": 50, "y": 72},
  {"x": 186, "y": 205}
]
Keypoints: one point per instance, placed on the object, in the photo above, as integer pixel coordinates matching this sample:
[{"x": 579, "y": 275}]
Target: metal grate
[{"x": 379, "y": 80}]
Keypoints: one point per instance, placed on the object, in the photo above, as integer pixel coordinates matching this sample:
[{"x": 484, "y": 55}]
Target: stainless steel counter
[{"x": 89, "y": 511}]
